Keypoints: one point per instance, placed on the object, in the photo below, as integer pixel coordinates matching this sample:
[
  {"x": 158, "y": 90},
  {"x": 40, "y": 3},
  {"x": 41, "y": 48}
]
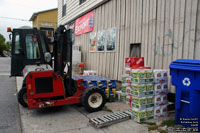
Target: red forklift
[{"x": 46, "y": 85}]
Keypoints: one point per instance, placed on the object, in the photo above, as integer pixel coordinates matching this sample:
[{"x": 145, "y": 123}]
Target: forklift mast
[{"x": 63, "y": 51}]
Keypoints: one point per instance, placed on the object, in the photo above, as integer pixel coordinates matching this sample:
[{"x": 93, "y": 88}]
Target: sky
[{"x": 16, "y": 13}]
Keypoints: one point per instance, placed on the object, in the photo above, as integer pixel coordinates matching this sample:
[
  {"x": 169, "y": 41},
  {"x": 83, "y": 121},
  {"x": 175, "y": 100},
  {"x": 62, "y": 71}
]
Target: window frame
[
  {"x": 64, "y": 7},
  {"x": 81, "y": 1},
  {"x": 138, "y": 46}
]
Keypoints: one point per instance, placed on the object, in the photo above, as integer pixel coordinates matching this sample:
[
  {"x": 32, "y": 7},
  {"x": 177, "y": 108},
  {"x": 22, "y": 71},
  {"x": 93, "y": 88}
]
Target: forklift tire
[
  {"x": 93, "y": 99},
  {"x": 22, "y": 97}
]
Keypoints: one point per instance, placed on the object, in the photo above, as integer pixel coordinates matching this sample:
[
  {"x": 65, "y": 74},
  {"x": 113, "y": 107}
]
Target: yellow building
[{"x": 45, "y": 20}]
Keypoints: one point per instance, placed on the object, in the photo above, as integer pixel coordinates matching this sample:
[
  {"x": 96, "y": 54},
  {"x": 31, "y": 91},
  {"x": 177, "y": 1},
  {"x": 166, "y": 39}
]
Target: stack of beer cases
[
  {"x": 144, "y": 89},
  {"x": 142, "y": 94},
  {"x": 130, "y": 62},
  {"x": 107, "y": 85},
  {"x": 161, "y": 90}
]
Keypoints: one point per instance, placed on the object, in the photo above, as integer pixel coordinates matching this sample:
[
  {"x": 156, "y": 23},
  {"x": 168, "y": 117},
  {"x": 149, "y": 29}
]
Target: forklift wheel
[
  {"x": 93, "y": 99},
  {"x": 22, "y": 97}
]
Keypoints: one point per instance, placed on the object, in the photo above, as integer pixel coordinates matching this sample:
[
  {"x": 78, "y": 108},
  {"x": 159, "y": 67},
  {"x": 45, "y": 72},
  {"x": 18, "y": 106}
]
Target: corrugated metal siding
[
  {"x": 166, "y": 29},
  {"x": 197, "y": 34},
  {"x": 59, "y": 10},
  {"x": 74, "y": 9}
]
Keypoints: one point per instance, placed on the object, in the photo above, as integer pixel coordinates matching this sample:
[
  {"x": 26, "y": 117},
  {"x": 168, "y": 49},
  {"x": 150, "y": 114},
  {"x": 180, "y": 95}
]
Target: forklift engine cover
[
  {"x": 45, "y": 88},
  {"x": 32, "y": 68}
]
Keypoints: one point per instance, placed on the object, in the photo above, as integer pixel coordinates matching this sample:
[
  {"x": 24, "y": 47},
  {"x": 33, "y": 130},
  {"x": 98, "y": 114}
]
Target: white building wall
[
  {"x": 167, "y": 30},
  {"x": 74, "y": 10}
]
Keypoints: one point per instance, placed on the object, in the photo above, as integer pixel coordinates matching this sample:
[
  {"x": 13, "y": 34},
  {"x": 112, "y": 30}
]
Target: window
[
  {"x": 49, "y": 34},
  {"x": 64, "y": 4},
  {"x": 81, "y": 1},
  {"x": 17, "y": 44},
  {"x": 135, "y": 50},
  {"x": 32, "y": 48}
]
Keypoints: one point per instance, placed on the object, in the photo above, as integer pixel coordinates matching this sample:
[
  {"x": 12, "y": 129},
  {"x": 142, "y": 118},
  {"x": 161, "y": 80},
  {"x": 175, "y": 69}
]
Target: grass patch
[
  {"x": 168, "y": 123},
  {"x": 162, "y": 131},
  {"x": 153, "y": 127},
  {"x": 107, "y": 109},
  {"x": 148, "y": 123}
]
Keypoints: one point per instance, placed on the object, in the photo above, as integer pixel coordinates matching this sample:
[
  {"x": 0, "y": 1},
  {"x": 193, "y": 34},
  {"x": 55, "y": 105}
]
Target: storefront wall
[{"x": 166, "y": 29}]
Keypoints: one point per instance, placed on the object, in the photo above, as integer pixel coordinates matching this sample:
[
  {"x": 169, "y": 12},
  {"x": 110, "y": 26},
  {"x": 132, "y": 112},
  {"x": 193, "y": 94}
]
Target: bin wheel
[
  {"x": 93, "y": 99},
  {"x": 22, "y": 97}
]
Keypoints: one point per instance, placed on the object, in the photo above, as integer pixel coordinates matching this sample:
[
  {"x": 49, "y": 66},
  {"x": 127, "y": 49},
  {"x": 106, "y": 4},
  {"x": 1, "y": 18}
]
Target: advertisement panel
[
  {"x": 111, "y": 40},
  {"x": 101, "y": 40},
  {"x": 93, "y": 39},
  {"x": 84, "y": 24}
]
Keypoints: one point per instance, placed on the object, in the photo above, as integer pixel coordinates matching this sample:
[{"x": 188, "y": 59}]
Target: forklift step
[{"x": 109, "y": 119}]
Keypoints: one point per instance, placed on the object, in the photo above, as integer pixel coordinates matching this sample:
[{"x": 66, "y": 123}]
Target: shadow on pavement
[{"x": 52, "y": 110}]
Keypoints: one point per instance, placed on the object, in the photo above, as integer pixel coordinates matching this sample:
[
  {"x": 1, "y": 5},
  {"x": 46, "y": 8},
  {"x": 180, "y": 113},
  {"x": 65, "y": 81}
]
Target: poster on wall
[
  {"x": 101, "y": 40},
  {"x": 84, "y": 24},
  {"x": 93, "y": 39},
  {"x": 111, "y": 40},
  {"x": 71, "y": 26}
]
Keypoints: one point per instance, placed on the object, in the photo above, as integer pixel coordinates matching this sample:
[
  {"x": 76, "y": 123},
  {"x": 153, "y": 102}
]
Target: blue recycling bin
[{"x": 186, "y": 77}]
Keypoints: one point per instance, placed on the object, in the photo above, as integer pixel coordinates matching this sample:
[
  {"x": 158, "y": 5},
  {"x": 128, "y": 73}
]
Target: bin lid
[
  {"x": 185, "y": 64},
  {"x": 187, "y": 61}
]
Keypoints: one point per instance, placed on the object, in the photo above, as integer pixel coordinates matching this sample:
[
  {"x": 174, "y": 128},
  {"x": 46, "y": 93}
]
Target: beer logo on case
[{"x": 186, "y": 82}]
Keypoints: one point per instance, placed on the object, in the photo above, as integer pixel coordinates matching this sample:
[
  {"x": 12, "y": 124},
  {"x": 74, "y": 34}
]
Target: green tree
[
  {"x": 3, "y": 45},
  {"x": 7, "y": 46},
  {"x": 2, "y": 39}
]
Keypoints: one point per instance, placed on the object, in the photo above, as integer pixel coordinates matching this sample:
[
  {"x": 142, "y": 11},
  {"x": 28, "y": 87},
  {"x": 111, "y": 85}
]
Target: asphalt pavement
[{"x": 9, "y": 109}]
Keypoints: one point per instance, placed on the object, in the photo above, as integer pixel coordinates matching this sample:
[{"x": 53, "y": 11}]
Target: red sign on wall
[{"x": 84, "y": 24}]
